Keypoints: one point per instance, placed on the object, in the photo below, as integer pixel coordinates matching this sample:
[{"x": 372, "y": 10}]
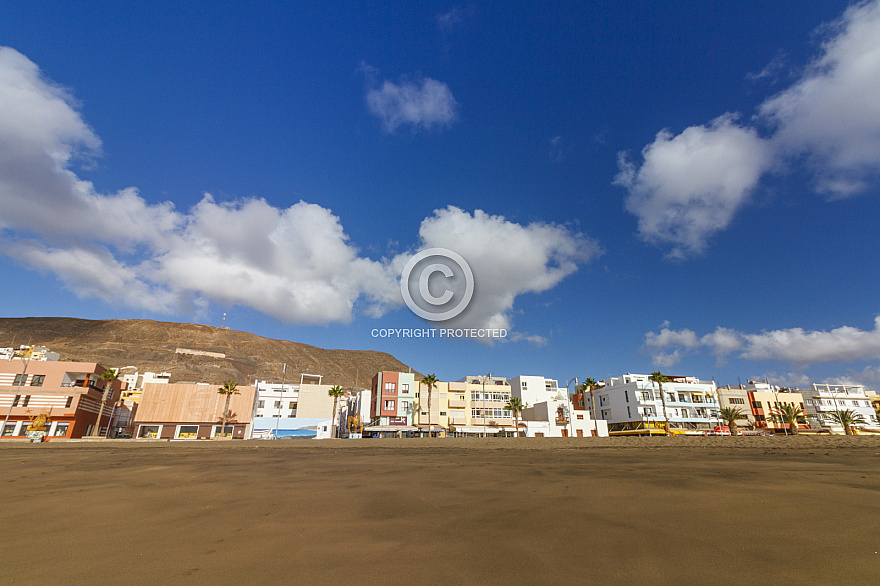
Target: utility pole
[
  {"x": 18, "y": 388},
  {"x": 280, "y": 398}
]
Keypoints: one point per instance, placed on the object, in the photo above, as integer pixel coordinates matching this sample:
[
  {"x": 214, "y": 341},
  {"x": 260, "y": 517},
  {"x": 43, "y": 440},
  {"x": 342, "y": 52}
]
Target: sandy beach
[{"x": 573, "y": 510}]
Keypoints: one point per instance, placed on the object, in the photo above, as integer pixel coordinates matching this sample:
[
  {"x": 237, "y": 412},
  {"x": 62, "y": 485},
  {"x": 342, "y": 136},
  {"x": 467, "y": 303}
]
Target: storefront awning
[{"x": 389, "y": 428}]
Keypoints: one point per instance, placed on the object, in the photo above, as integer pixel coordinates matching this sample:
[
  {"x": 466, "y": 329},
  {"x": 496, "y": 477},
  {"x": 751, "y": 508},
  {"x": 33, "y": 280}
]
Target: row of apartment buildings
[
  {"x": 631, "y": 404},
  {"x": 147, "y": 405},
  {"x": 400, "y": 405}
]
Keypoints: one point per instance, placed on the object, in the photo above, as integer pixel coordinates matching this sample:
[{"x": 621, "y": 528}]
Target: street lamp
[
  {"x": 280, "y": 398},
  {"x": 483, "y": 378},
  {"x": 567, "y": 401}
]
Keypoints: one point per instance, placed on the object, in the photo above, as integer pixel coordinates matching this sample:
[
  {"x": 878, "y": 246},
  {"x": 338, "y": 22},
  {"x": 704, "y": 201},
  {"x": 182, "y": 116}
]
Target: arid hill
[{"x": 192, "y": 352}]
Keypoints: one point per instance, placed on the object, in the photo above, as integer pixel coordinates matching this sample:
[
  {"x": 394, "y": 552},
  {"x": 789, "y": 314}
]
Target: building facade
[
  {"x": 193, "y": 411},
  {"x": 822, "y": 399},
  {"x": 69, "y": 394},
  {"x": 393, "y": 400},
  {"x": 293, "y": 411},
  {"x": 550, "y": 411},
  {"x": 631, "y": 403}
]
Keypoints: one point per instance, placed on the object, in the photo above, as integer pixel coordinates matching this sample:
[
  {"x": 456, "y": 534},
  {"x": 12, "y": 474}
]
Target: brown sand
[{"x": 512, "y": 511}]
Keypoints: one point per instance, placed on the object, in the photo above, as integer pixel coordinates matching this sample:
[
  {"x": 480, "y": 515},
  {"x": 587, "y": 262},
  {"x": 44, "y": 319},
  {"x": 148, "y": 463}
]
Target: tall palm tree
[
  {"x": 791, "y": 414},
  {"x": 659, "y": 378},
  {"x": 229, "y": 388},
  {"x": 430, "y": 382},
  {"x": 108, "y": 376},
  {"x": 335, "y": 392},
  {"x": 730, "y": 415},
  {"x": 589, "y": 386},
  {"x": 847, "y": 418},
  {"x": 516, "y": 405}
]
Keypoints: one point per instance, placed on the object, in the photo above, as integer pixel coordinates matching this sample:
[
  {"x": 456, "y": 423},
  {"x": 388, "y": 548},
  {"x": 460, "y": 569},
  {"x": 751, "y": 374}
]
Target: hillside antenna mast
[{"x": 223, "y": 324}]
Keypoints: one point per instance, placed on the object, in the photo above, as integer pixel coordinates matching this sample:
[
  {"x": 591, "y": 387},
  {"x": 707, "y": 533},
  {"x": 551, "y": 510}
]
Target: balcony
[{"x": 456, "y": 404}]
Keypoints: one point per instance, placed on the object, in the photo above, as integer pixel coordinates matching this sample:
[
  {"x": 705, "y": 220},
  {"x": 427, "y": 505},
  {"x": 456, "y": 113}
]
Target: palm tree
[
  {"x": 516, "y": 405},
  {"x": 429, "y": 381},
  {"x": 847, "y": 418},
  {"x": 791, "y": 414},
  {"x": 730, "y": 415},
  {"x": 589, "y": 386},
  {"x": 659, "y": 378},
  {"x": 335, "y": 392},
  {"x": 108, "y": 376},
  {"x": 229, "y": 388}
]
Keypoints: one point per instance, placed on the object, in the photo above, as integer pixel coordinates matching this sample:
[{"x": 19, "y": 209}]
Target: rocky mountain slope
[{"x": 192, "y": 352}]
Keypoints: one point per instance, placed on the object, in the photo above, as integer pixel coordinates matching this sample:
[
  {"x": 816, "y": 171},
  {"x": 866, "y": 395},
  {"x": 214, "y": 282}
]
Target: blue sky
[{"x": 693, "y": 188}]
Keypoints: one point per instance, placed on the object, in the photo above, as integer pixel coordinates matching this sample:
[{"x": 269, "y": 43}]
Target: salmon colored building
[
  {"x": 69, "y": 394},
  {"x": 192, "y": 411}
]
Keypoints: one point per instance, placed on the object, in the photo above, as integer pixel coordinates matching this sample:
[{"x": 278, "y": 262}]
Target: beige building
[
  {"x": 470, "y": 407},
  {"x": 192, "y": 411}
]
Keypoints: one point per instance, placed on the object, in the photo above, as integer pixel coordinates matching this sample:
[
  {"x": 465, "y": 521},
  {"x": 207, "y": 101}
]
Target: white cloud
[
  {"x": 795, "y": 345},
  {"x": 798, "y": 345},
  {"x": 423, "y": 104},
  {"x": 668, "y": 337},
  {"x": 722, "y": 341},
  {"x": 533, "y": 339},
  {"x": 507, "y": 259},
  {"x": 832, "y": 113},
  {"x": 296, "y": 264},
  {"x": 690, "y": 185},
  {"x": 448, "y": 20}
]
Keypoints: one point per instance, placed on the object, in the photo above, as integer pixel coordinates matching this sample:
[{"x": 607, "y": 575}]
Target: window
[
  {"x": 20, "y": 379},
  {"x": 626, "y": 396},
  {"x": 580, "y": 416},
  {"x": 69, "y": 402},
  {"x": 646, "y": 396},
  {"x": 443, "y": 414},
  {"x": 756, "y": 404},
  {"x": 61, "y": 429},
  {"x": 277, "y": 405},
  {"x": 220, "y": 431},
  {"x": 404, "y": 387},
  {"x": 187, "y": 431},
  {"x": 389, "y": 406},
  {"x": 27, "y": 399},
  {"x": 7, "y": 431},
  {"x": 404, "y": 407},
  {"x": 261, "y": 404},
  {"x": 149, "y": 431},
  {"x": 390, "y": 387},
  {"x": 292, "y": 405},
  {"x": 670, "y": 397},
  {"x": 736, "y": 401},
  {"x": 682, "y": 398},
  {"x": 15, "y": 400},
  {"x": 37, "y": 380}
]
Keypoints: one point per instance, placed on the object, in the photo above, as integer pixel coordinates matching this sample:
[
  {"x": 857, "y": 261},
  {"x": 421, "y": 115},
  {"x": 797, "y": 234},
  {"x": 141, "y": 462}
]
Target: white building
[
  {"x": 136, "y": 380},
  {"x": 302, "y": 410},
  {"x": 354, "y": 414},
  {"x": 38, "y": 353},
  {"x": 549, "y": 410},
  {"x": 632, "y": 402},
  {"x": 822, "y": 399}
]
